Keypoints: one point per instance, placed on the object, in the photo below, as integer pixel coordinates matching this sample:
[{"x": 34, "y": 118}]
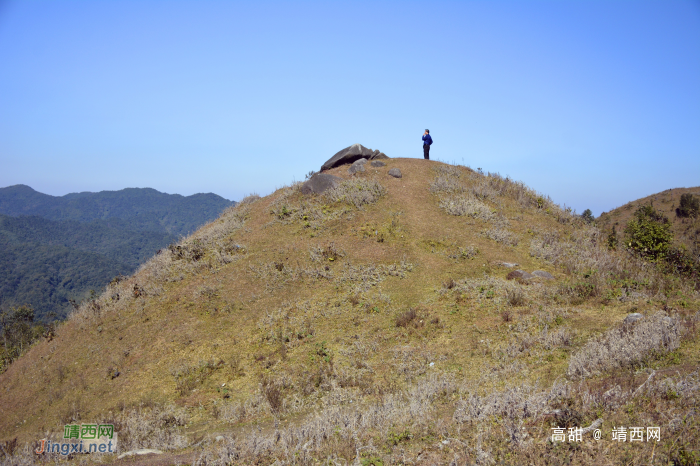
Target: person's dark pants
[{"x": 426, "y": 151}]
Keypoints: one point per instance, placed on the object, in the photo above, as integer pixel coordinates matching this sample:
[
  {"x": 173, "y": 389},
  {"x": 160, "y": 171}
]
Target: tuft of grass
[
  {"x": 405, "y": 318},
  {"x": 467, "y": 206},
  {"x": 501, "y": 235},
  {"x": 356, "y": 192},
  {"x": 515, "y": 297}
]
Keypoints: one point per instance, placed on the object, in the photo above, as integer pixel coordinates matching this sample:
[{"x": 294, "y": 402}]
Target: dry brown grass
[
  {"x": 303, "y": 314},
  {"x": 357, "y": 192}
]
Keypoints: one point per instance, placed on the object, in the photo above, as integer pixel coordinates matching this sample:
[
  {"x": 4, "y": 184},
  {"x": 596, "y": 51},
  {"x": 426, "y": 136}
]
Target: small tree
[
  {"x": 587, "y": 216},
  {"x": 690, "y": 206},
  {"x": 17, "y": 332},
  {"x": 649, "y": 233}
]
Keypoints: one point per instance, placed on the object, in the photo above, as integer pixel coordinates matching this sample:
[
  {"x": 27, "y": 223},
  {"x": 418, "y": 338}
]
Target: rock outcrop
[
  {"x": 357, "y": 166},
  {"x": 351, "y": 154},
  {"x": 319, "y": 183},
  {"x": 632, "y": 318},
  {"x": 521, "y": 274}
]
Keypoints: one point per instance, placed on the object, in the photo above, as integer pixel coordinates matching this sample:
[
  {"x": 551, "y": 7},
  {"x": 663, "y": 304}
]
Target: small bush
[
  {"x": 357, "y": 192},
  {"x": 501, "y": 235},
  {"x": 682, "y": 262},
  {"x": 193, "y": 251},
  {"x": 649, "y": 233},
  {"x": 468, "y": 252},
  {"x": 405, "y": 318},
  {"x": 446, "y": 184},
  {"x": 515, "y": 296},
  {"x": 689, "y": 206},
  {"x": 627, "y": 346},
  {"x": 272, "y": 393},
  {"x": 466, "y": 205},
  {"x": 587, "y": 216}
]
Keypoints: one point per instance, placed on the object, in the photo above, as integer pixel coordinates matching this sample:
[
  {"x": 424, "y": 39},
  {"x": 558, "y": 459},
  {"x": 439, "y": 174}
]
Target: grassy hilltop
[{"x": 377, "y": 324}]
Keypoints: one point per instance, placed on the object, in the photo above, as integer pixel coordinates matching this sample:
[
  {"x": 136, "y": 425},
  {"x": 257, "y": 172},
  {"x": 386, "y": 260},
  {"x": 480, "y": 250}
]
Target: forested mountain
[
  {"x": 53, "y": 249},
  {"x": 133, "y": 208}
]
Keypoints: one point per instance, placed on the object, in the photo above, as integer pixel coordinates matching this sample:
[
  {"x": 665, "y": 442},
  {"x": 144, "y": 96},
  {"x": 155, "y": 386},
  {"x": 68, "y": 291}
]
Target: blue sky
[{"x": 593, "y": 103}]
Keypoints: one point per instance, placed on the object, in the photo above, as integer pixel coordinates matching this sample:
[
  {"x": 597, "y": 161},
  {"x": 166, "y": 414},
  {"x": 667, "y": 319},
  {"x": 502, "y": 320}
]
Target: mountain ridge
[
  {"x": 60, "y": 248},
  {"x": 146, "y": 208}
]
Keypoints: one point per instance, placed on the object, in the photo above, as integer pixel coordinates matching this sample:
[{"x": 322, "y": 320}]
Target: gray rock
[
  {"x": 319, "y": 183},
  {"x": 519, "y": 274},
  {"x": 358, "y": 166},
  {"x": 219, "y": 438},
  {"x": 543, "y": 274},
  {"x": 377, "y": 163},
  {"x": 634, "y": 317},
  {"x": 378, "y": 155},
  {"x": 631, "y": 296},
  {"x": 395, "y": 172},
  {"x": 348, "y": 155},
  {"x": 510, "y": 265}
]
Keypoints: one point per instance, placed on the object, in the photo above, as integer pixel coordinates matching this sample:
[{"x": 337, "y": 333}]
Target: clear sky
[{"x": 594, "y": 103}]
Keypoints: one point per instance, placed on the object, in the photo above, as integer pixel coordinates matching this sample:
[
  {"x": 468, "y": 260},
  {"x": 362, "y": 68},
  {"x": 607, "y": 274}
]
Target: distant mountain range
[
  {"x": 139, "y": 209},
  {"x": 53, "y": 249}
]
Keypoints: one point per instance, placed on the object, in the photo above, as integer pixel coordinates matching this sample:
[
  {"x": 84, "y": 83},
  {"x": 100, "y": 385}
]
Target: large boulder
[
  {"x": 351, "y": 154},
  {"x": 319, "y": 183}
]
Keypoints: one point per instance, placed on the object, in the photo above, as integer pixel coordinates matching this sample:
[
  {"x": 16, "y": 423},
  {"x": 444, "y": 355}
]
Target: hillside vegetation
[
  {"x": 684, "y": 225},
  {"x": 46, "y": 263},
  {"x": 385, "y": 321}
]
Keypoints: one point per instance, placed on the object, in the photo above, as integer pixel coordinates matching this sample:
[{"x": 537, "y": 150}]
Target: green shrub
[
  {"x": 690, "y": 206},
  {"x": 17, "y": 332},
  {"x": 587, "y": 216},
  {"x": 649, "y": 233},
  {"x": 682, "y": 262}
]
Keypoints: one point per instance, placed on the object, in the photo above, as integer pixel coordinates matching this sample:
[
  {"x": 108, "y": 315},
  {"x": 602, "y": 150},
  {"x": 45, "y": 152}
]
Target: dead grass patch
[{"x": 627, "y": 346}]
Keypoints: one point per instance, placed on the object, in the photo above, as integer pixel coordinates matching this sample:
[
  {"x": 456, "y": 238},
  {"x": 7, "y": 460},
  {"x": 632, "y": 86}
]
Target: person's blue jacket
[{"x": 427, "y": 139}]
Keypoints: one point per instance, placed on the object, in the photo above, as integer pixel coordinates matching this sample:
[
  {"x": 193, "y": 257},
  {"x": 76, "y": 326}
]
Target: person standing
[{"x": 427, "y": 141}]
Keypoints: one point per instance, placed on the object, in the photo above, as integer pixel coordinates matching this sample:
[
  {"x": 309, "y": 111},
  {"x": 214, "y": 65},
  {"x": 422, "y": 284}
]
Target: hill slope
[
  {"x": 376, "y": 322},
  {"x": 141, "y": 209},
  {"x": 686, "y": 231}
]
